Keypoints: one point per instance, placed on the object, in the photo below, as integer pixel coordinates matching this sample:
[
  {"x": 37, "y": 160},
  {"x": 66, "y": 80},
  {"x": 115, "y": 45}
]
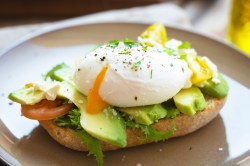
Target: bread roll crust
[{"x": 184, "y": 125}]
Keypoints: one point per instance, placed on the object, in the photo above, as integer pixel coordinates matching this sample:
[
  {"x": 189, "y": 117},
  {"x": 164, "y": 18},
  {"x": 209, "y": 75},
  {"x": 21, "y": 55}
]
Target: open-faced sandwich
[{"x": 126, "y": 93}]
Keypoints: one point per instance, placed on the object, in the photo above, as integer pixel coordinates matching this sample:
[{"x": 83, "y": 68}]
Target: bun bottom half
[{"x": 184, "y": 125}]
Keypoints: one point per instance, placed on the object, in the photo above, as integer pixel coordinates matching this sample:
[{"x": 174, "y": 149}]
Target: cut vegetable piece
[
  {"x": 107, "y": 125},
  {"x": 33, "y": 93},
  {"x": 146, "y": 114},
  {"x": 190, "y": 100},
  {"x": 219, "y": 90},
  {"x": 46, "y": 109},
  {"x": 61, "y": 72},
  {"x": 26, "y": 96}
]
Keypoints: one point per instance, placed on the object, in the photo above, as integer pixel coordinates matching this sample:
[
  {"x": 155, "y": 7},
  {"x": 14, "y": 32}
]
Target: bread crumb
[{"x": 160, "y": 150}]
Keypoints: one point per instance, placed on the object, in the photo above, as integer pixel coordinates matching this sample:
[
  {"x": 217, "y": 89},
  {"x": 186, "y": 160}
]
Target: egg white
[{"x": 135, "y": 77}]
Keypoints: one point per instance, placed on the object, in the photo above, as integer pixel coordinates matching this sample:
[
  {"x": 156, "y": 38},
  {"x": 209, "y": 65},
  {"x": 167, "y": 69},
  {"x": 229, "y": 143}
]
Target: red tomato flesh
[{"x": 46, "y": 109}]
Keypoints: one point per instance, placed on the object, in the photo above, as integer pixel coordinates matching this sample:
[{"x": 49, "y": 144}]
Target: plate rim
[
  {"x": 8, "y": 158},
  {"x": 67, "y": 24}
]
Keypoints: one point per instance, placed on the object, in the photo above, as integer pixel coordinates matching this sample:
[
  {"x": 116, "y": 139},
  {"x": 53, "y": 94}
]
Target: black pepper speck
[{"x": 103, "y": 58}]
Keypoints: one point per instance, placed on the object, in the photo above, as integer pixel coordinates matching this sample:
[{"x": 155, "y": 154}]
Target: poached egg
[{"x": 135, "y": 76}]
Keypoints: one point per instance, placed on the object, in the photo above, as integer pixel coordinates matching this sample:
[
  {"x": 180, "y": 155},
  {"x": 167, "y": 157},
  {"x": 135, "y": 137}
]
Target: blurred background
[
  {"x": 16, "y": 12},
  {"x": 211, "y": 17}
]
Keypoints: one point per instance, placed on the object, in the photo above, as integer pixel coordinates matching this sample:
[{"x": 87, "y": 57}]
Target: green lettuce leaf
[
  {"x": 93, "y": 145},
  {"x": 151, "y": 134},
  {"x": 154, "y": 135},
  {"x": 172, "y": 111},
  {"x": 72, "y": 120}
]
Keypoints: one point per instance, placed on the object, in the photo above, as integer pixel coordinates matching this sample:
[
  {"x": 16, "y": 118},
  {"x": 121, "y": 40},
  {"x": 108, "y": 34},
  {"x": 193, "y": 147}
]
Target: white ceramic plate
[{"x": 225, "y": 141}]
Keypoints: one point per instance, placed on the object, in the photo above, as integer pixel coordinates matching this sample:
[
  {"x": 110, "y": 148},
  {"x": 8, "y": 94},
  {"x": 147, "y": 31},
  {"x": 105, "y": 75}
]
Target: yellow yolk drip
[{"x": 95, "y": 103}]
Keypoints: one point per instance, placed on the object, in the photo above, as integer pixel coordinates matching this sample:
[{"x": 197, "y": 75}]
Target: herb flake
[
  {"x": 184, "y": 45},
  {"x": 113, "y": 43},
  {"x": 137, "y": 64},
  {"x": 170, "y": 51},
  {"x": 130, "y": 43}
]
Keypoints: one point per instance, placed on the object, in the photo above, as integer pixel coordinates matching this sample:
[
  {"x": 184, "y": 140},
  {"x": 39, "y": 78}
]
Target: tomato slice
[{"x": 46, "y": 109}]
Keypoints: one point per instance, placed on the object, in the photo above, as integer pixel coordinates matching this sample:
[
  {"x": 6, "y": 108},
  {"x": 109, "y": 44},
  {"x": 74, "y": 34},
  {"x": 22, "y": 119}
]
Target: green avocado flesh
[
  {"x": 146, "y": 114},
  {"x": 26, "y": 96},
  {"x": 219, "y": 90},
  {"x": 34, "y": 93},
  {"x": 64, "y": 74},
  {"x": 190, "y": 100},
  {"x": 106, "y": 125},
  {"x": 29, "y": 96},
  {"x": 61, "y": 72}
]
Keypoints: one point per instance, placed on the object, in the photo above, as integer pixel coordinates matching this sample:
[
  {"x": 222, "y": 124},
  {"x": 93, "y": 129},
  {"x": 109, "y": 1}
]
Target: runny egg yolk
[{"x": 95, "y": 103}]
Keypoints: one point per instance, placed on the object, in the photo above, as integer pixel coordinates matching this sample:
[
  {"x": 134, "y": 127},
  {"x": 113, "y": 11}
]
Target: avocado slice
[
  {"x": 107, "y": 125},
  {"x": 190, "y": 100},
  {"x": 34, "y": 93},
  {"x": 61, "y": 72},
  {"x": 146, "y": 114},
  {"x": 64, "y": 74},
  {"x": 27, "y": 96},
  {"x": 218, "y": 90}
]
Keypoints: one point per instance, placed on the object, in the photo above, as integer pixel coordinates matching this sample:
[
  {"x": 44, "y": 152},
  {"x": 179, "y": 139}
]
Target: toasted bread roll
[{"x": 184, "y": 125}]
